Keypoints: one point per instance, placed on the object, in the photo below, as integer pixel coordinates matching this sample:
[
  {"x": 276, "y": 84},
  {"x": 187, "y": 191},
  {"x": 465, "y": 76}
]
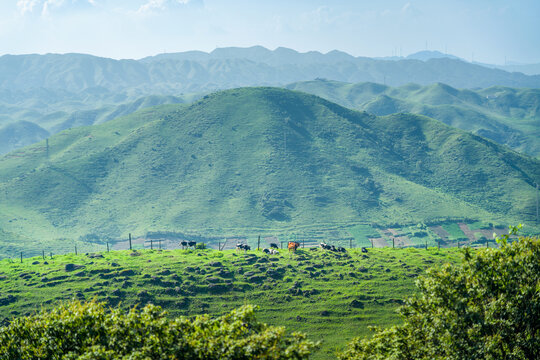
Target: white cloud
[
  {"x": 44, "y": 7},
  {"x": 160, "y": 5},
  {"x": 27, "y": 6}
]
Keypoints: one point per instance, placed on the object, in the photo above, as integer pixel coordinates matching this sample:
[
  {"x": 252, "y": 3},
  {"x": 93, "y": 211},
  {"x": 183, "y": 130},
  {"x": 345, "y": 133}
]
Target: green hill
[
  {"x": 253, "y": 161},
  {"x": 332, "y": 297},
  {"x": 505, "y": 115},
  {"x": 27, "y": 117}
]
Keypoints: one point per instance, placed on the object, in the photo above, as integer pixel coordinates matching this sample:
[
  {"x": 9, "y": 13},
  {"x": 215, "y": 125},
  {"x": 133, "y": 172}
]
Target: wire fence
[{"x": 255, "y": 243}]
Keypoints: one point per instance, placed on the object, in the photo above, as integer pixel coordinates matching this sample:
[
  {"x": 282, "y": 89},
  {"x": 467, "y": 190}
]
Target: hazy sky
[{"x": 489, "y": 29}]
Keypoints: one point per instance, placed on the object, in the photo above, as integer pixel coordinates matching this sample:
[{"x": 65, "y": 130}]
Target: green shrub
[
  {"x": 200, "y": 246},
  {"x": 485, "y": 308},
  {"x": 79, "y": 330}
]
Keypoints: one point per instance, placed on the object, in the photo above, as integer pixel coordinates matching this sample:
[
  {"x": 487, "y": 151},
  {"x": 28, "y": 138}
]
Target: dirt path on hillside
[
  {"x": 378, "y": 242},
  {"x": 440, "y": 232},
  {"x": 399, "y": 241},
  {"x": 468, "y": 232}
]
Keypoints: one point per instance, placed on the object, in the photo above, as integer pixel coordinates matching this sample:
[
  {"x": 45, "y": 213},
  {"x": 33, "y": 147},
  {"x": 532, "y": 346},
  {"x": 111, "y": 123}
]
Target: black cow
[
  {"x": 341, "y": 249},
  {"x": 364, "y": 250},
  {"x": 184, "y": 244},
  {"x": 192, "y": 244},
  {"x": 244, "y": 247},
  {"x": 266, "y": 251},
  {"x": 273, "y": 246},
  {"x": 325, "y": 246}
]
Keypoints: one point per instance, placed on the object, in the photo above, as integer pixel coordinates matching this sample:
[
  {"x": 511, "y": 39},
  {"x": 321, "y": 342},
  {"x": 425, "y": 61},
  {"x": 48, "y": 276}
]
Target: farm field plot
[{"x": 332, "y": 297}]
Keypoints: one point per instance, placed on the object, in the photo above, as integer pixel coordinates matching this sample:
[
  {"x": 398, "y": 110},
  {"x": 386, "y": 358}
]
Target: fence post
[
  {"x": 51, "y": 254},
  {"x": 75, "y": 249},
  {"x": 303, "y": 243},
  {"x": 151, "y": 244},
  {"x": 350, "y": 243},
  {"x": 393, "y": 243},
  {"x": 258, "y": 242},
  {"x": 426, "y": 244},
  {"x": 21, "y": 257},
  {"x": 458, "y": 244},
  {"x": 372, "y": 243},
  {"x": 43, "y": 254},
  {"x": 159, "y": 244},
  {"x": 107, "y": 246},
  {"x": 439, "y": 244},
  {"x": 129, "y": 241},
  {"x": 487, "y": 242},
  {"x": 281, "y": 242}
]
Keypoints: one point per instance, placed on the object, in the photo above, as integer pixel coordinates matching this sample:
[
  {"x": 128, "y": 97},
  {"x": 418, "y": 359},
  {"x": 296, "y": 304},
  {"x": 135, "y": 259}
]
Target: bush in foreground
[
  {"x": 488, "y": 307},
  {"x": 90, "y": 331}
]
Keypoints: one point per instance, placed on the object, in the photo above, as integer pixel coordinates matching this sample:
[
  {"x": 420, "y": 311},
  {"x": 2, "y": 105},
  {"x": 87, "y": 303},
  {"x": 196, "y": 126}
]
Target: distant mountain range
[
  {"x": 252, "y": 160},
  {"x": 196, "y": 71},
  {"x": 43, "y": 94},
  {"x": 527, "y": 69},
  {"x": 506, "y": 115}
]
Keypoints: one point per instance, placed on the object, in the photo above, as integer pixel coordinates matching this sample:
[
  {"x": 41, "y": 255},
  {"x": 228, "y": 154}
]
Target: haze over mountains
[
  {"x": 196, "y": 71},
  {"x": 253, "y": 159},
  {"x": 43, "y": 94}
]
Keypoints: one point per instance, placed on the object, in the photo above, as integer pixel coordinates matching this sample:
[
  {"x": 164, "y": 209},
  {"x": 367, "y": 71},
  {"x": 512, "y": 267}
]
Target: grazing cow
[
  {"x": 192, "y": 244},
  {"x": 274, "y": 252},
  {"x": 244, "y": 247},
  {"x": 341, "y": 249},
  {"x": 364, "y": 250},
  {"x": 266, "y": 251},
  {"x": 325, "y": 246},
  {"x": 293, "y": 245},
  {"x": 333, "y": 248},
  {"x": 273, "y": 246},
  {"x": 184, "y": 244}
]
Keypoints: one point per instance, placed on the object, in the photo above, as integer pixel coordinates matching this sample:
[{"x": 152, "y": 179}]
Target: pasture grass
[{"x": 332, "y": 297}]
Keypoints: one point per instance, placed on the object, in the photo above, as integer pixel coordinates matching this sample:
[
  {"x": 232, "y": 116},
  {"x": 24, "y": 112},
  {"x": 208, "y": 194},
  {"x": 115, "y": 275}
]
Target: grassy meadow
[{"x": 332, "y": 297}]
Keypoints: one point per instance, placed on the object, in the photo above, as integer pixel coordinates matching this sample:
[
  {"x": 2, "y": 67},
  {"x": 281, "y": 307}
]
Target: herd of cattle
[
  {"x": 292, "y": 246},
  {"x": 187, "y": 244}
]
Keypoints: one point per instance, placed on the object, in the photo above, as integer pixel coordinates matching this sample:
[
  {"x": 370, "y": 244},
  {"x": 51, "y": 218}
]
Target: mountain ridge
[
  {"x": 259, "y": 159},
  {"x": 234, "y": 67}
]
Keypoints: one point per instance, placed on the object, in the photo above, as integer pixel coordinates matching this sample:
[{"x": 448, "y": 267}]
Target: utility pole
[
  {"x": 285, "y": 136},
  {"x": 536, "y": 202}
]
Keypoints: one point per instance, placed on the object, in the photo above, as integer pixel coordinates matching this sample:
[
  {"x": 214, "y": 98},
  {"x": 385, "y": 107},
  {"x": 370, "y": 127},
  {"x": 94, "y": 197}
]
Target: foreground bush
[
  {"x": 90, "y": 331},
  {"x": 488, "y": 307}
]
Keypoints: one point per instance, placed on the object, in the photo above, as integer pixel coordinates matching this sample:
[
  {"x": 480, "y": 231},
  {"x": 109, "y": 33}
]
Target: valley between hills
[{"x": 251, "y": 162}]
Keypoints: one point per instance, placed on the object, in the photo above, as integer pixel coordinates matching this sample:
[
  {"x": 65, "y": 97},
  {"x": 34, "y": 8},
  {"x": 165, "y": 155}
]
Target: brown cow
[{"x": 293, "y": 245}]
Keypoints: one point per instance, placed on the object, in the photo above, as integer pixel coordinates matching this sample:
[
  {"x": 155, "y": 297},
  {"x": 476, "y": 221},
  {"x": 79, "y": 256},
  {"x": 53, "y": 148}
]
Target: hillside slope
[
  {"x": 507, "y": 116},
  {"x": 30, "y": 116},
  {"x": 332, "y": 297},
  {"x": 255, "y": 160}
]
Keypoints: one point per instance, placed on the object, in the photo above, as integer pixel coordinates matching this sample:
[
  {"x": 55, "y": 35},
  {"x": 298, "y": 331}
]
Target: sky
[{"x": 490, "y": 31}]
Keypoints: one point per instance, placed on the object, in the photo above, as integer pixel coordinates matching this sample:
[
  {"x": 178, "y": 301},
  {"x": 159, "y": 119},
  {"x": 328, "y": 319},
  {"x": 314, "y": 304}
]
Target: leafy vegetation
[
  {"x": 332, "y": 297},
  {"x": 90, "y": 331},
  {"x": 485, "y": 307},
  {"x": 259, "y": 161}
]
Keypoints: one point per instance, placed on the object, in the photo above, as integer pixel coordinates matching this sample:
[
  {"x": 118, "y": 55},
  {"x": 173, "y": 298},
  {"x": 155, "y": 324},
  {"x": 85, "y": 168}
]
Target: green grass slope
[
  {"x": 332, "y": 297},
  {"x": 259, "y": 161},
  {"x": 26, "y": 117},
  {"x": 506, "y": 115}
]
